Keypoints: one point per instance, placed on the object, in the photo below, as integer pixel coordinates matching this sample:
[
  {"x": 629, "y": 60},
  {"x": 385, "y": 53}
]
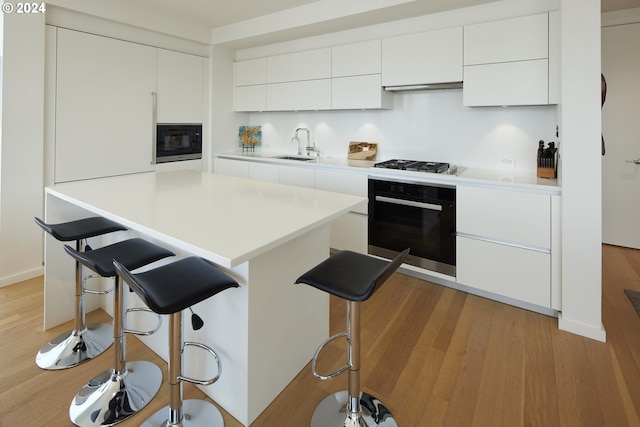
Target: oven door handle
[{"x": 410, "y": 203}]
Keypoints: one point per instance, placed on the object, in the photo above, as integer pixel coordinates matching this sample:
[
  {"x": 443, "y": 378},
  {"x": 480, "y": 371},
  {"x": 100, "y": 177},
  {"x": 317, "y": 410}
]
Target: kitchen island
[{"x": 262, "y": 234}]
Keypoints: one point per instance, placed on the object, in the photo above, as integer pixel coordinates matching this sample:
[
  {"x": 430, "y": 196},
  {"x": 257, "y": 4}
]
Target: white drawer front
[
  {"x": 507, "y": 216},
  {"x": 504, "y": 270}
]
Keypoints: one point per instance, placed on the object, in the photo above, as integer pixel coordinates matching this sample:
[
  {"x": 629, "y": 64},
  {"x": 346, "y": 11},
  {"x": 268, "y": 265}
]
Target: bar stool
[
  {"x": 120, "y": 392},
  {"x": 353, "y": 277},
  {"x": 83, "y": 342},
  {"x": 169, "y": 289}
]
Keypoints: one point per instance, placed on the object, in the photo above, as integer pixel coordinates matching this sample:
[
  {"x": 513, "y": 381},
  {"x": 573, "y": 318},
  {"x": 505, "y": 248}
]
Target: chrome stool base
[
  {"x": 73, "y": 347},
  {"x": 110, "y": 398},
  {"x": 332, "y": 412},
  {"x": 197, "y": 413}
]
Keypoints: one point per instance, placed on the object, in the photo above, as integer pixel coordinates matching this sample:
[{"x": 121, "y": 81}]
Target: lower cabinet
[
  {"x": 505, "y": 270},
  {"x": 504, "y": 241},
  {"x": 347, "y": 232}
]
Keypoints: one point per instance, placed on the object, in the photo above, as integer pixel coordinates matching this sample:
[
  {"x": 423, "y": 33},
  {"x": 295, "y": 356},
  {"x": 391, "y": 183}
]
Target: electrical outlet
[{"x": 507, "y": 161}]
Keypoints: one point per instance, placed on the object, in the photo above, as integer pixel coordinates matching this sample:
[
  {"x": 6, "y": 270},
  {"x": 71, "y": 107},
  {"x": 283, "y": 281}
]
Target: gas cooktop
[{"x": 414, "y": 165}]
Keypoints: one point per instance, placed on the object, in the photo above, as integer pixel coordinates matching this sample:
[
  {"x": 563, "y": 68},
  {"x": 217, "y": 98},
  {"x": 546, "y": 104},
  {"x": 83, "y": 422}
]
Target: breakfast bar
[{"x": 264, "y": 235}]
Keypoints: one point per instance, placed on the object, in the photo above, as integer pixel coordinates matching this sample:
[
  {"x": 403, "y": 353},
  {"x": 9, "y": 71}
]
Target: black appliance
[
  {"x": 413, "y": 215},
  {"x": 176, "y": 142},
  {"x": 414, "y": 165}
]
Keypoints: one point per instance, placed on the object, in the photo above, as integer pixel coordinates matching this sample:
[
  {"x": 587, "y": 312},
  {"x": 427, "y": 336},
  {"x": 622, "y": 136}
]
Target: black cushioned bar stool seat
[
  {"x": 120, "y": 392},
  {"x": 84, "y": 342},
  {"x": 169, "y": 289},
  {"x": 353, "y": 277}
]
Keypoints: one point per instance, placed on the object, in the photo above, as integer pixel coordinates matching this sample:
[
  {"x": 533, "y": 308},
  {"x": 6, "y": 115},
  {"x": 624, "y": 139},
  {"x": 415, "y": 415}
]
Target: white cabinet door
[
  {"x": 349, "y": 232},
  {"x": 515, "y": 39},
  {"x": 303, "y": 95},
  {"x": 358, "y": 92},
  {"x": 180, "y": 87},
  {"x": 250, "y": 72},
  {"x": 231, "y": 167},
  {"x": 430, "y": 57},
  {"x": 306, "y": 65},
  {"x": 504, "y": 270},
  {"x": 300, "y": 177},
  {"x": 506, "y": 83},
  {"x": 250, "y": 98},
  {"x": 264, "y": 172},
  {"x": 103, "y": 106},
  {"x": 356, "y": 59}
]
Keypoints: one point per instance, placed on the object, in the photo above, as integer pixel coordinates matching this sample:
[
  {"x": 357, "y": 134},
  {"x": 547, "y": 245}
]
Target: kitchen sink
[{"x": 298, "y": 158}]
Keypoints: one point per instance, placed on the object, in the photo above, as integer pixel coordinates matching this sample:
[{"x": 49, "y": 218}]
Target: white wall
[
  {"x": 21, "y": 171},
  {"x": 423, "y": 126}
]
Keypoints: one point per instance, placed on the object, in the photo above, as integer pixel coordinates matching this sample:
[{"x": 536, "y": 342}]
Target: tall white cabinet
[
  {"x": 106, "y": 92},
  {"x": 103, "y": 106}
]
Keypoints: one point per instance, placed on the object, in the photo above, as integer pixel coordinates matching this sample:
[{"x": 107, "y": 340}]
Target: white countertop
[
  {"x": 504, "y": 178},
  {"x": 227, "y": 220}
]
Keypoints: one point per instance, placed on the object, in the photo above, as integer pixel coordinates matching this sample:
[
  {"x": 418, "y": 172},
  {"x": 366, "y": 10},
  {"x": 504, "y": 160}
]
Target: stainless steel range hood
[{"x": 424, "y": 87}]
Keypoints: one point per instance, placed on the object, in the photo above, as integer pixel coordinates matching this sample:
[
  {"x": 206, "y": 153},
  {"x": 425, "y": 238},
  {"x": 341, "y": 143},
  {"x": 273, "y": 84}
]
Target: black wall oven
[
  {"x": 414, "y": 215},
  {"x": 176, "y": 142}
]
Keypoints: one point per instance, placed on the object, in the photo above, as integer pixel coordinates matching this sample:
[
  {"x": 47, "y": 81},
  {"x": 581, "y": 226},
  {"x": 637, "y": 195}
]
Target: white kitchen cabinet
[
  {"x": 298, "y": 176},
  {"x": 250, "y": 90},
  {"x": 506, "y": 83},
  {"x": 103, "y": 107},
  {"x": 250, "y": 98},
  {"x": 180, "y": 87},
  {"x": 356, "y": 59},
  {"x": 503, "y": 244},
  {"x": 429, "y": 57},
  {"x": 349, "y": 232},
  {"x": 301, "y": 95},
  {"x": 515, "y": 39},
  {"x": 506, "y": 62},
  {"x": 232, "y": 167},
  {"x": 264, "y": 172},
  {"x": 250, "y": 72},
  {"x": 306, "y": 65},
  {"x": 359, "y": 92}
]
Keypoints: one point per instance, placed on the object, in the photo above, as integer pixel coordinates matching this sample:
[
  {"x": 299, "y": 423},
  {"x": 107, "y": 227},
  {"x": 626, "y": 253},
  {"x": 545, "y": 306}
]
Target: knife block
[{"x": 545, "y": 171}]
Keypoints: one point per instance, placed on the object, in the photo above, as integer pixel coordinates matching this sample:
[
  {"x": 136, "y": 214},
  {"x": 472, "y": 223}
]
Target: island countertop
[{"x": 224, "y": 219}]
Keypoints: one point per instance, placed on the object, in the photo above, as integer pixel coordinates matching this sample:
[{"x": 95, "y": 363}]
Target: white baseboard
[
  {"x": 17, "y": 278},
  {"x": 578, "y": 328}
]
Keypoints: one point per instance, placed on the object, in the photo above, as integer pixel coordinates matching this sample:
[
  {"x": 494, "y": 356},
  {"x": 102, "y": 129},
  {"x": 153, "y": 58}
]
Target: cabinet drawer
[
  {"x": 504, "y": 270},
  {"x": 232, "y": 168},
  {"x": 344, "y": 182},
  {"x": 507, "y": 83},
  {"x": 506, "y": 40},
  {"x": 349, "y": 232},
  {"x": 507, "y": 216}
]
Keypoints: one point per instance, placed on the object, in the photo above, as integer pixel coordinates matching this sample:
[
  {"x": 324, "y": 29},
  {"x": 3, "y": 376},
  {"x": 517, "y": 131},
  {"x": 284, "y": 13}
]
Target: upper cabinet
[
  {"x": 507, "y": 62},
  {"x": 342, "y": 77},
  {"x": 180, "y": 87},
  {"x": 356, "y": 77},
  {"x": 424, "y": 58}
]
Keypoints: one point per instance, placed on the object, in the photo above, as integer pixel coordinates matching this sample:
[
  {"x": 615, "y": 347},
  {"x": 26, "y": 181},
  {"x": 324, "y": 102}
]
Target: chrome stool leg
[
  {"x": 190, "y": 412},
  {"x": 84, "y": 342},
  {"x": 118, "y": 393},
  {"x": 351, "y": 408}
]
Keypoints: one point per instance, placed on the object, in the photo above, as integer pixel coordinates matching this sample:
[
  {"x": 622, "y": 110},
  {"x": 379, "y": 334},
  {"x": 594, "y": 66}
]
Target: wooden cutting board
[{"x": 362, "y": 150}]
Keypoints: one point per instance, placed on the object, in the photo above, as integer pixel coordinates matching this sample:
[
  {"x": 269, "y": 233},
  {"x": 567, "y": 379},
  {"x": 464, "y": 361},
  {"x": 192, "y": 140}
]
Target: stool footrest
[
  {"x": 86, "y": 290},
  {"x": 315, "y": 358},
  {"x": 143, "y": 333},
  {"x": 215, "y": 356}
]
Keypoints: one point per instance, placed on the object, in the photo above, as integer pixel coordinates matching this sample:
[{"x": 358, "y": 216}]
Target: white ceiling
[{"x": 269, "y": 21}]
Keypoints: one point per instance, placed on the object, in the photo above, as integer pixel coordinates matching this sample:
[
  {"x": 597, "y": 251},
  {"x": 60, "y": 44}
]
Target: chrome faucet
[{"x": 311, "y": 146}]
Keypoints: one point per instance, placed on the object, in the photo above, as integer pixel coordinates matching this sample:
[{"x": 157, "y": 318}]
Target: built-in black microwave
[{"x": 176, "y": 142}]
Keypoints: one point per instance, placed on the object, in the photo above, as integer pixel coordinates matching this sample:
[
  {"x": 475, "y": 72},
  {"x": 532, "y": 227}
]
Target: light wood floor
[{"x": 435, "y": 356}]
